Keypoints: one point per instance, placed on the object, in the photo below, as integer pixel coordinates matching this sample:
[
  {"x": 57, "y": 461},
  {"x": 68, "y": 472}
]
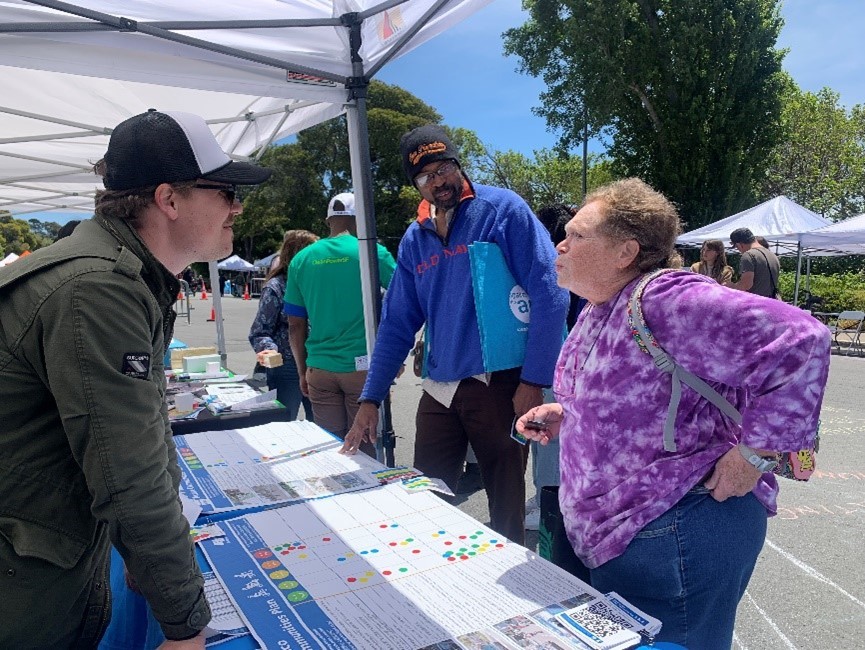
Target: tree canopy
[
  {"x": 688, "y": 90},
  {"x": 820, "y": 160},
  {"x": 308, "y": 172}
]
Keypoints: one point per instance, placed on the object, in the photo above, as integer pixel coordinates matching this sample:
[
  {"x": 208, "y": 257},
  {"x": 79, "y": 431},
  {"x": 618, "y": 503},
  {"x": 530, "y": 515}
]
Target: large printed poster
[
  {"x": 267, "y": 465},
  {"x": 387, "y": 570}
]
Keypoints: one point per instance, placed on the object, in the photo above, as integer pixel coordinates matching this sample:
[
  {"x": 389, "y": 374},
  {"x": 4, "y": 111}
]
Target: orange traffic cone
[
  {"x": 246, "y": 292},
  {"x": 203, "y": 293},
  {"x": 212, "y": 318}
]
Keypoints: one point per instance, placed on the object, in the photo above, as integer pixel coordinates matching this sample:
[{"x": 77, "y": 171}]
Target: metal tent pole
[
  {"x": 798, "y": 272},
  {"x": 361, "y": 166},
  {"x": 217, "y": 310}
]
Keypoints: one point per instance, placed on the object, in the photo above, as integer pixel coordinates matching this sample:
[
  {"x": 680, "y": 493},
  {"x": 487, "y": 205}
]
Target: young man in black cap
[
  {"x": 432, "y": 285},
  {"x": 759, "y": 268},
  {"x": 86, "y": 454}
]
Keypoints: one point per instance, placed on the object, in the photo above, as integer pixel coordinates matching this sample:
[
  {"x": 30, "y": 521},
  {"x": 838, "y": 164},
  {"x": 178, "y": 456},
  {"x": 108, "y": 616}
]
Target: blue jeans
[
  {"x": 690, "y": 567},
  {"x": 287, "y": 384}
]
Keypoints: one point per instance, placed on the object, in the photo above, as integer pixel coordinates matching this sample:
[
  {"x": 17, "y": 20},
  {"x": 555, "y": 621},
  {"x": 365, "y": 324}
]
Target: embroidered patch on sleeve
[{"x": 136, "y": 364}]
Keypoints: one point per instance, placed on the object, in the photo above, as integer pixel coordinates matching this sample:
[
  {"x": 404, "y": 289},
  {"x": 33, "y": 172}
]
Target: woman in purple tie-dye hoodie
[{"x": 675, "y": 532}]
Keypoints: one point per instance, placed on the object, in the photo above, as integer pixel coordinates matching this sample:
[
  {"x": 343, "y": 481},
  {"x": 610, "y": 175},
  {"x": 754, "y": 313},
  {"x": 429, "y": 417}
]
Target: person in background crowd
[
  {"x": 713, "y": 262},
  {"x": 672, "y": 520},
  {"x": 270, "y": 334},
  {"x": 462, "y": 404},
  {"x": 759, "y": 268},
  {"x": 66, "y": 229},
  {"x": 87, "y": 457},
  {"x": 325, "y": 315}
]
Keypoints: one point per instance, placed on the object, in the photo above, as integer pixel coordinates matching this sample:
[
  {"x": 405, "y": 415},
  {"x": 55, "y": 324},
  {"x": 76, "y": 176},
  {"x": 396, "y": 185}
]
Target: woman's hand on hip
[{"x": 733, "y": 476}]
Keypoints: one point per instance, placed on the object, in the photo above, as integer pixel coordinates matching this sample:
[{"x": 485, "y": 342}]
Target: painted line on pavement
[
  {"x": 771, "y": 623},
  {"x": 813, "y": 572}
]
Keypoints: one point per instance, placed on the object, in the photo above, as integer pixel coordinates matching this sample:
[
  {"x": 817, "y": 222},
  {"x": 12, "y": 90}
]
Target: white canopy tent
[
  {"x": 235, "y": 263},
  {"x": 313, "y": 59},
  {"x": 776, "y": 219},
  {"x": 73, "y": 71}
]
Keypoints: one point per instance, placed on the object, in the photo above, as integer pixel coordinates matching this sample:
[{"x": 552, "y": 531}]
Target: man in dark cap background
[
  {"x": 759, "y": 267},
  {"x": 86, "y": 453},
  {"x": 432, "y": 285}
]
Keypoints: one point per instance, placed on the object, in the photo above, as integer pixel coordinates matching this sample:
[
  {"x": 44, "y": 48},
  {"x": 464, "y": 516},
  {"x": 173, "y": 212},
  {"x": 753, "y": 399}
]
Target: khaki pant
[{"x": 334, "y": 398}]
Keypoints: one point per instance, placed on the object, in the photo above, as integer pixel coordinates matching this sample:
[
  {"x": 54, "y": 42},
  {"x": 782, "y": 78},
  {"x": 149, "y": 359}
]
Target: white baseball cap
[{"x": 342, "y": 205}]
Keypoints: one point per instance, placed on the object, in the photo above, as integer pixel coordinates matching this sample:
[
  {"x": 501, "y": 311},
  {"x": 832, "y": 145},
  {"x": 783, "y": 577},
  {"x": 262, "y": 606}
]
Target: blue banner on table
[{"x": 502, "y": 307}]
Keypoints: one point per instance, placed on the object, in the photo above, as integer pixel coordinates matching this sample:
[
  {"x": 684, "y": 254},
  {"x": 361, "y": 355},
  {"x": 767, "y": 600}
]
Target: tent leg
[
  {"x": 216, "y": 292},
  {"x": 798, "y": 273},
  {"x": 808, "y": 276},
  {"x": 358, "y": 138}
]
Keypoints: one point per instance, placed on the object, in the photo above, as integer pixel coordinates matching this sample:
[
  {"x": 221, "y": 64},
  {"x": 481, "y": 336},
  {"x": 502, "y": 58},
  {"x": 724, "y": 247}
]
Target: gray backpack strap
[{"x": 644, "y": 338}]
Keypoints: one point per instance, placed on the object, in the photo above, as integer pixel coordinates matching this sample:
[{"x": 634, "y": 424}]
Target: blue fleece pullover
[{"x": 432, "y": 284}]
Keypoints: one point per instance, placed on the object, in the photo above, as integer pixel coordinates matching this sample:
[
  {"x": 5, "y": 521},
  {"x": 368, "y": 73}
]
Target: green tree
[
  {"x": 321, "y": 161},
  {"x": 688, "y": 90},
  {"x": 820, "y": 162},
  {"x": 294, "y": 198},
  {"x": 17, "y": 235},
  {"x": 47, "y": 229}
]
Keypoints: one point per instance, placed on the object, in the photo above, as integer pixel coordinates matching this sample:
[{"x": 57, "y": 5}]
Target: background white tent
[
  {"x": 776, "y": 219},
  {"x": 235, "y": 263},
  {"x": 847, "y": 236},
  {"x": 11, "y": 257},
  {"x": 265, "y": 262},
  {"x": 312, "y": 58}
]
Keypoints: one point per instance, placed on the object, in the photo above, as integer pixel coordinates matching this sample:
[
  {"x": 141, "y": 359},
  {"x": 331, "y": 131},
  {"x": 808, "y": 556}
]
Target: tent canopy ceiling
[
  {"x": 235, "y": 263},
  {"x": 72, "y": 72}
]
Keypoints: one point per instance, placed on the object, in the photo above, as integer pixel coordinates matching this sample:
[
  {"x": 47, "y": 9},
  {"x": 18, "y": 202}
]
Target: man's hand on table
[{"x": 363, "y": 428}]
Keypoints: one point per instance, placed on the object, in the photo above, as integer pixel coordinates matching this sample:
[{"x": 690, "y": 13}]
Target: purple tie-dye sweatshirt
[{"x": 768, "y": 359}]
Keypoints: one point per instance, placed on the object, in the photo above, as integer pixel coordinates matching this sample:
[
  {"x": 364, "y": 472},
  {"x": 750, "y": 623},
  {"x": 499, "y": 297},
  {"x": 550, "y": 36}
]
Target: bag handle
[{"x": 647, "y": 342}]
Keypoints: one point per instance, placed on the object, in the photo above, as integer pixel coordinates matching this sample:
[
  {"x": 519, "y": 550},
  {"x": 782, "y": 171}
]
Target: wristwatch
[{"x": 762, "y": 463}]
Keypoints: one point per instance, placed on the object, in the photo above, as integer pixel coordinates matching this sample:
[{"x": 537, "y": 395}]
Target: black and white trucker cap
[{"x": 170, "y": 147}]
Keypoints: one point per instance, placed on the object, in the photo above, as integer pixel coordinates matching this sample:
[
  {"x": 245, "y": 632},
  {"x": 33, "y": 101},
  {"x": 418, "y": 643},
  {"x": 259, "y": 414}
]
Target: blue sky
[{"x": 464, "y": 75}]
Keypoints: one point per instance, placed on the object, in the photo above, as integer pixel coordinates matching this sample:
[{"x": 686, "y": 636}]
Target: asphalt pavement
[{"x": 808, "y": 588}]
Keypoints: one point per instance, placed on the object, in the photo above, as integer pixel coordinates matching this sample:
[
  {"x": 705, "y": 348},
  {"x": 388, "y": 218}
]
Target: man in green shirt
[{"x": 324, "y": 305}]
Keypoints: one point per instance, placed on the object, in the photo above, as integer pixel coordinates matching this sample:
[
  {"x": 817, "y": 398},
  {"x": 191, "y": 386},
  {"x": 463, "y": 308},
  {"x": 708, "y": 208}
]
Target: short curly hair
[{"x": 636, "y": 211}]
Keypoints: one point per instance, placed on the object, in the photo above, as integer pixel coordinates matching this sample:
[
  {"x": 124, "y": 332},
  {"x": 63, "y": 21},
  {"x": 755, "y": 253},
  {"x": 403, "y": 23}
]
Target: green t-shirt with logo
[{"x": 324, "y": 286}]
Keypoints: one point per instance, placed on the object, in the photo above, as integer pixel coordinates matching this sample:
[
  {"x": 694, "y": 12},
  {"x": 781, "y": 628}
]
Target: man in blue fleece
[{"x": 432, "y": 285}]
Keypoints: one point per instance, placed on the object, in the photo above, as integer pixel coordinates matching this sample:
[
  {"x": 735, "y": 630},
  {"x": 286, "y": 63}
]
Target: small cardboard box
[
  {"x": 272, "y": 360},
  {"x": 177, "y": 355},
  {"x": 199, "y": 363}
]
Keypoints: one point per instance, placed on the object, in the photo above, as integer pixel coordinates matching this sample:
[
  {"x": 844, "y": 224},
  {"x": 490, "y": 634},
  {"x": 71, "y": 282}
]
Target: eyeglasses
[
  {"x": 421, "y": 180},
  {"x": 228, "y": 191}
]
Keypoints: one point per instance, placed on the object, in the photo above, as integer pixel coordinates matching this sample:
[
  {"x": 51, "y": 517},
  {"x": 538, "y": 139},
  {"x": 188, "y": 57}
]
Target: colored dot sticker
[
  {"x": 325, "y": 539},
  {"x": 270, "y": 564},
  {"x": 297, "y": 596},
  {"x": 441, "y": 532},
  {"x": 303, "y": 556},
  {"x": 382, "y": 525},
  {"x": 351, "y": 580},
  {"x": 385, "y": 573},
  {"x": 452, "y": 559},
  {"x": 403, "y": 570},
  {"x": 287, "y": 585},
  {"x": 263, "y": 553},
  {"x": 448, "y": 543},
  {"x": 364, "y": 579},
  {"x": 417, "y": 550},
  {"x": 279, "y": 575},
  {"x": 393, "y": 525}
]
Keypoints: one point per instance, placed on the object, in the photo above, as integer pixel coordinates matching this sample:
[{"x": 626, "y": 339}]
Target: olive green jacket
[{"x": 85, "y": 442}]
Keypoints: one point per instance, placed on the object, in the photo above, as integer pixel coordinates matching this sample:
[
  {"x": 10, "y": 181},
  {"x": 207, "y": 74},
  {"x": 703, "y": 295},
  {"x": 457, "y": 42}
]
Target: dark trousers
[{"x": 481, "y": 415}]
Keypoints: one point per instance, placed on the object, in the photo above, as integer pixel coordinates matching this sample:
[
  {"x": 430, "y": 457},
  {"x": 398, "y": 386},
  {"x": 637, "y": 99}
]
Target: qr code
[{"x": 601, "y": 620}]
